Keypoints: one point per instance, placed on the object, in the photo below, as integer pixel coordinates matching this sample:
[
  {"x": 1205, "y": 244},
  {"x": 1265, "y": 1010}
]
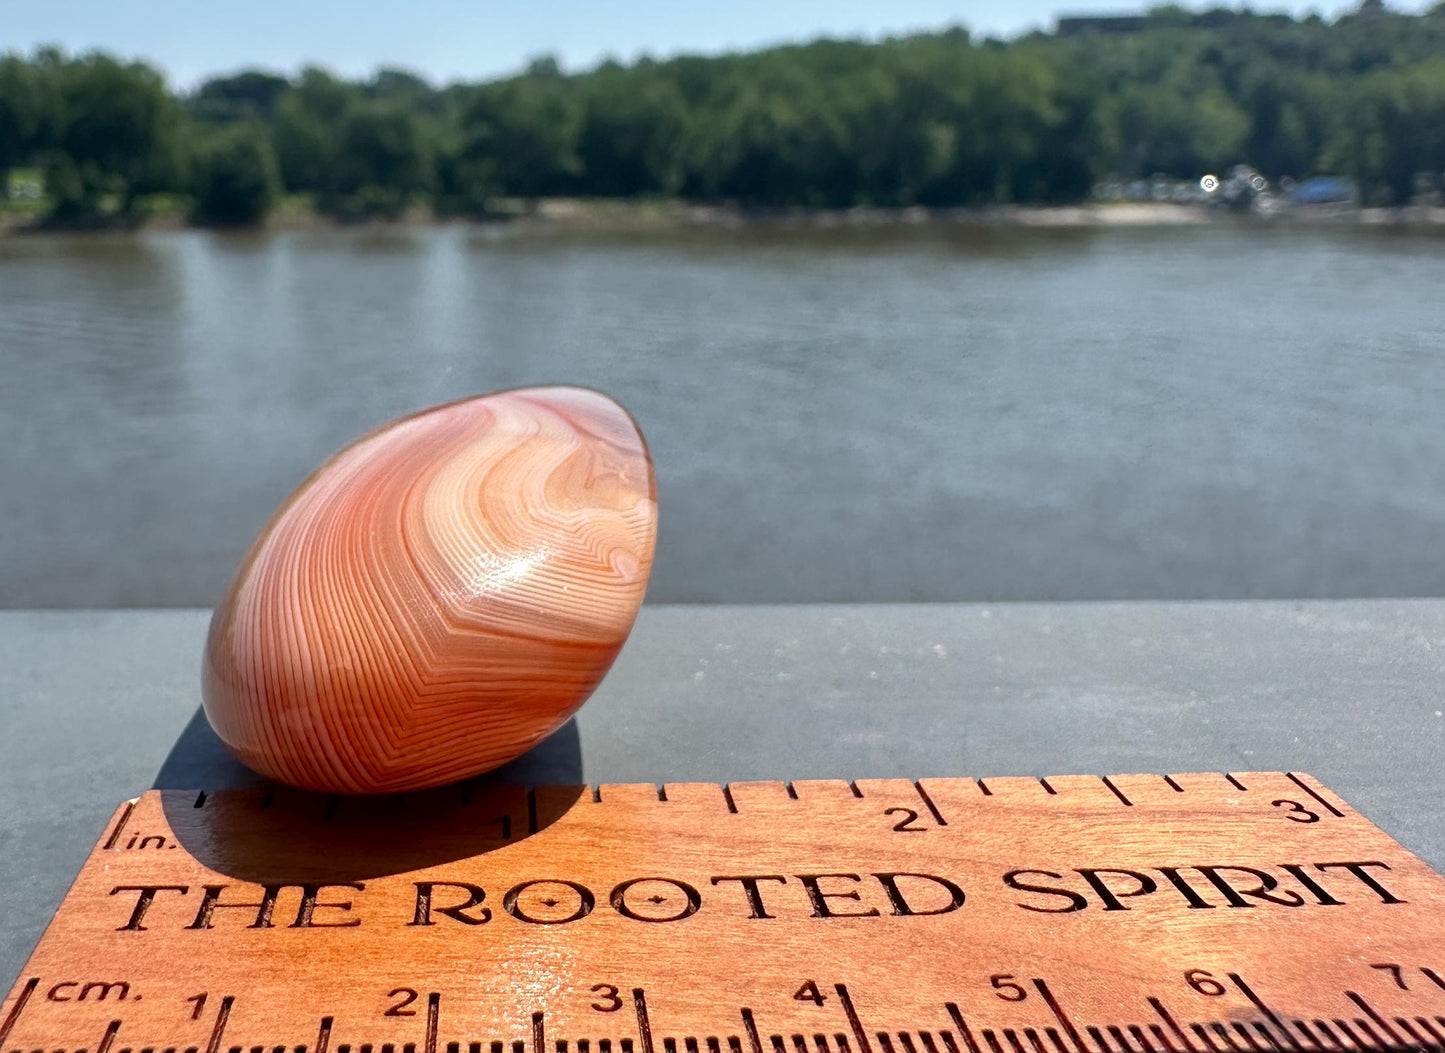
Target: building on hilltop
[{"x": 1077, "y": 25}]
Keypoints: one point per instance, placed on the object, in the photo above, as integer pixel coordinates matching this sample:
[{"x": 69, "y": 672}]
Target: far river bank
[{"x": 583, "y": 215}]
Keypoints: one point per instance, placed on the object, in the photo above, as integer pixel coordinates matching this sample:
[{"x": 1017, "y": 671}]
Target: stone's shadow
[
  {"x": 246, "y": 827},
  {"x": 198, "y": 761}
]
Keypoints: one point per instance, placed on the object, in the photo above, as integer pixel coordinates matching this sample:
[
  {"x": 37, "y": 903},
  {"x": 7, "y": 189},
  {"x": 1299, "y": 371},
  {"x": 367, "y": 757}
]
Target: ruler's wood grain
[{"x": 1074, "y": 914}]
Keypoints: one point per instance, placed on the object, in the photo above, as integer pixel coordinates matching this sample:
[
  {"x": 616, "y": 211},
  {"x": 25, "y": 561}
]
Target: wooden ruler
[{"x": 1192, "y": 913}]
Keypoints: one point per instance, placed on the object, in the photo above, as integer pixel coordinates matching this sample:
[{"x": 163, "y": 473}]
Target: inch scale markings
[
  {"x": 1067, "y": 914},
  {"x": 463, "y": 793}
]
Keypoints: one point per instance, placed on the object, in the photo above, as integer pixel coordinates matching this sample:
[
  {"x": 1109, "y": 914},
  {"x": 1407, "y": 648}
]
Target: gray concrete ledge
[{"x": 98, "y": 706}]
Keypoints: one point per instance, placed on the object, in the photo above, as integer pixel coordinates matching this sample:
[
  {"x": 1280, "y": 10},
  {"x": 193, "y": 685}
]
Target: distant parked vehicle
[
  {"x": 1242, "y": 189},
  {"x": 1324, "y": 190}
]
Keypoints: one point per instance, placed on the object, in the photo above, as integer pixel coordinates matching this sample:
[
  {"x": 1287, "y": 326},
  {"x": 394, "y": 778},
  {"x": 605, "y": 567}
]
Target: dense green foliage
[
  {"x": 101, "y": 129},
  {"x": 236, "y": 178},
  {"x": 934, "y": 119}
]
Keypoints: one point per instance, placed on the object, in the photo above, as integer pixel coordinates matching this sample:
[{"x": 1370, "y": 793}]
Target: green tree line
[{"x": 933, "y": 119}]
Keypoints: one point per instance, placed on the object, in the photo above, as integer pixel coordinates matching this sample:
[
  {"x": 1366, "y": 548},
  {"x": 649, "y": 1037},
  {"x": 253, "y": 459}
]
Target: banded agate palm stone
[{"x": 439, "y": 596}]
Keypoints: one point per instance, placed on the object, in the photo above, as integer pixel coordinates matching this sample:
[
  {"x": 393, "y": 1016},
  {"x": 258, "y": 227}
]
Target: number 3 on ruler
[
  {"x": 1296, "y": 812},
  {"x": 608, "y": 1001}
]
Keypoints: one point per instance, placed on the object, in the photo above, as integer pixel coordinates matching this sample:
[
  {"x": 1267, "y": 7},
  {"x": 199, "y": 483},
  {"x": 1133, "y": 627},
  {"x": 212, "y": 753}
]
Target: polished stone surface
[
  {"x": 438, "y": 597},
  {"x": 97, "y": 706}
]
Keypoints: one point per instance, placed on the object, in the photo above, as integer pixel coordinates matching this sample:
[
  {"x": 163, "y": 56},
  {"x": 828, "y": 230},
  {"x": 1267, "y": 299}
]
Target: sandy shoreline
[{"x": 568, "y": 214}]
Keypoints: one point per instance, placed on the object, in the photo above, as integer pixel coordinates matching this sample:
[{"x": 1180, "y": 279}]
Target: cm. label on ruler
[{"x": 1061, "y": 915}]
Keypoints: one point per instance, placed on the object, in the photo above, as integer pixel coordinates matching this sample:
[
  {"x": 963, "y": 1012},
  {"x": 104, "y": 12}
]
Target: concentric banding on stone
[{"x": 439, "y": 596}]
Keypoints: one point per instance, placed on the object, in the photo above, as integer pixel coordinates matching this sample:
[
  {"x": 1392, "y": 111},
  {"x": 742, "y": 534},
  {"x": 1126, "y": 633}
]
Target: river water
[{"x": 1213, "y": 411}]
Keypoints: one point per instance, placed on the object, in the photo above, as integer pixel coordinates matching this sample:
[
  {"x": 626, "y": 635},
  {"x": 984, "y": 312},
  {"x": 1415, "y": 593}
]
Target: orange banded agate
[{"x": 437, "y": 597}]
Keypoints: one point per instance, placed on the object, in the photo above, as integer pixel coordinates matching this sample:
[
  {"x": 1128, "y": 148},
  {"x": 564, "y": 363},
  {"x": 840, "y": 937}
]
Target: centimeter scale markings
[{"x": 1077, "y": 914}]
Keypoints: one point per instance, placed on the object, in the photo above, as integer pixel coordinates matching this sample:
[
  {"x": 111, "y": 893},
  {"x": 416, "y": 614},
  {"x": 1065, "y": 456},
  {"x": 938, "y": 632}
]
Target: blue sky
[{"x": 448, "y": 39}]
